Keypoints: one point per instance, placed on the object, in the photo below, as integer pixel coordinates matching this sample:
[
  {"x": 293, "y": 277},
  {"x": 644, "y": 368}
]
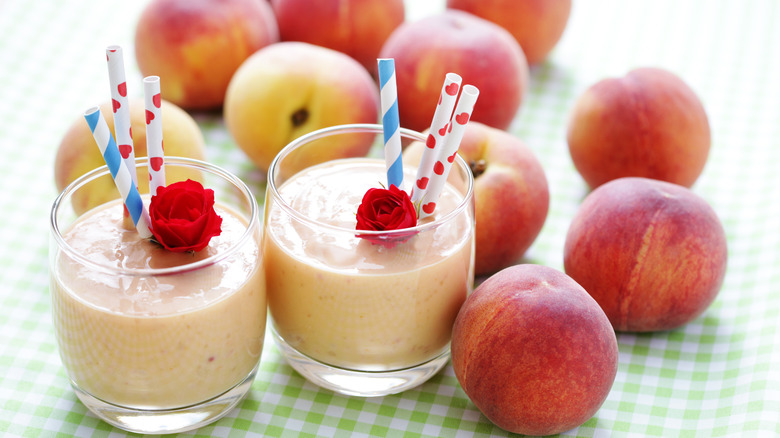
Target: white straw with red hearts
[
  {"x": 121, "y": 115},
  {"x": 119, "y": 102},
  {"x": 436, "y": 135},
  {"x": 441, "y": 168},
  {"x": 154, "y": 133}
]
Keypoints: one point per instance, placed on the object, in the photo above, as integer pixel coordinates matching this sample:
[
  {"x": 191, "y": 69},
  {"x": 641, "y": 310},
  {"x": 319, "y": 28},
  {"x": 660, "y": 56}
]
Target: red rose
[
  {"x": 385, "y": 210},
  {"x": 183, "y": 217}
]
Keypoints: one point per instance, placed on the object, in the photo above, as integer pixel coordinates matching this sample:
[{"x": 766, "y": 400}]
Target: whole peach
[
  {"x": 289, "y": 89},
  {"x": 355, "y": 27},
  {"x": 651, "y": 253},
  {"x": 536, "y": 24},
  {"x": 78, "y": 153},
  {"x": 511, "y": 196},
  {"x": 534, "y": 351},
  {"x": 648, "y": 123},
  {"x": 195, "y": 46},
  {"x": 483, "y": 53}
]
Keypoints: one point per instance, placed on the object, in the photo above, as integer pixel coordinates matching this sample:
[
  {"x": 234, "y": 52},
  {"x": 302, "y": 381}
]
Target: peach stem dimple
[
  {"x": 477, "y": 167},
  {"x": 299, "y": 117}
]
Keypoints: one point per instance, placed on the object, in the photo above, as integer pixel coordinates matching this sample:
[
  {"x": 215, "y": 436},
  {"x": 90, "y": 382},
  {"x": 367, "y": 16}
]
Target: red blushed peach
[
  {"x": 534, "y": 351},
  {"x": 483, "y": 53},
  {"x": 536, "y": 24},
  {"x": 648, "y": 124},
  {"x": 195, "y": 46},
  {"x": 651, "y": 253},
  {"x": 511, "y": 196},
  {"x": 355, "y": 27}
]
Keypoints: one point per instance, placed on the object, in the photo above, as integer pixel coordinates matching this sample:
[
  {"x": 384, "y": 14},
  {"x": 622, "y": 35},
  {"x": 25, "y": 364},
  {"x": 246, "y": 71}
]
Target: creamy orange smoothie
[
  {"x": 157, "y": 341},
  {"x": 347, "y": 302}
]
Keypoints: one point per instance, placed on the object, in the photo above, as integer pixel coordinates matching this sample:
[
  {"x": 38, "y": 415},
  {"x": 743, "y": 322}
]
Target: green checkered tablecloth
[{"x": 717, "y": 376}]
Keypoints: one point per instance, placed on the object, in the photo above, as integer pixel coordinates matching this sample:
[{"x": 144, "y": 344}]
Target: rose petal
[
  {"x": 385, "y": 209},
  {"x": 183, "y": 216}
]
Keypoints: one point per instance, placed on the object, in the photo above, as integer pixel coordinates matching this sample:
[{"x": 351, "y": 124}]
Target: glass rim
[
  {"x": 102, "y": 171},
  {"x": 364, "y": 128}
]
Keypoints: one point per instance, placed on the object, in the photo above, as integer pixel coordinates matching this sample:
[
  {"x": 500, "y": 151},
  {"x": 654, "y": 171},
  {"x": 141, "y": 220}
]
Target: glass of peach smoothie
[
  {"x": 350, "y": 314},
  {"x": 156, "y": 341}
]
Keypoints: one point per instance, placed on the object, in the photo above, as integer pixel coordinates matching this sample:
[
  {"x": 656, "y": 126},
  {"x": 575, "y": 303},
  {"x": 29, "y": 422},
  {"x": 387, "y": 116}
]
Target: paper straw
[
  {"x": 121, "y": 114},
  {"x": 119, "y": 101},
  {"x": 443, "y": 164},
  {"x": 119, "y": 172},
  {"x": 437, "y": 134},
  {"x": 154, "y": 133},
  {"x": 390, "y": 122}
]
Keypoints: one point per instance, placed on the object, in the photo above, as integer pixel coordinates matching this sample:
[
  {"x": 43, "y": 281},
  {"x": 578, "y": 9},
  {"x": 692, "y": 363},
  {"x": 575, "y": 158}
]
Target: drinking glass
[
  {"x": 169, "y": 346},
  {"x": 364, "y": 313}
]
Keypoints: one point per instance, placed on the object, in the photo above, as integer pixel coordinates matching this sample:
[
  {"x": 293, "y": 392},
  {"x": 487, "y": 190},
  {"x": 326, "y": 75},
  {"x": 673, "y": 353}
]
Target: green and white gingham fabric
[{"x": 717, "y": 376}]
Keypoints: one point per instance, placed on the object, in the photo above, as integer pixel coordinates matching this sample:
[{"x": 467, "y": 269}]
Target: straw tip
[
  {"x": 385, "y": 65},
  {"x": 91, "y": 110},
  {"x": 114, "y": 48},
  {"x": 92, "y": 116},
  {"x": 151, "y": 79},
  {"x": 454, "y": 77},
  {"x": 386, "y": 68},
  {"x": 470, "y": 89}
]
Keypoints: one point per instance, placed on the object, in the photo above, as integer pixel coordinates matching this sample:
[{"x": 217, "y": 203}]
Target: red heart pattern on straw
[
  {"x": 154, "y": 133},
  {"x": 439, "y": 126},
  {"x": 452, "y": 89},
  {"x": 422, "y": 183},
  {"x": 431, "y": 141},
  {"x": 156, "y": 163},
  {"x": 449, "y": 148},
  {"x": 119, "y": 101},
  {"x": 125, "y": 150}
]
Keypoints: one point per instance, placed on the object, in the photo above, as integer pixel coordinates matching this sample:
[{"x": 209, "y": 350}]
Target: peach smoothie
[
  {"x": 157, "y": 341},
  {"x": 350, "y": 303}
]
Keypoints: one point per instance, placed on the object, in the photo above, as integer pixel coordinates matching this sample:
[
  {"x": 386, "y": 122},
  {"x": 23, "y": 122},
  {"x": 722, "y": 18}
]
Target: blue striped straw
[
  {"x": 391, "y": 126},
  {"x": 119, "y": 171}
]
